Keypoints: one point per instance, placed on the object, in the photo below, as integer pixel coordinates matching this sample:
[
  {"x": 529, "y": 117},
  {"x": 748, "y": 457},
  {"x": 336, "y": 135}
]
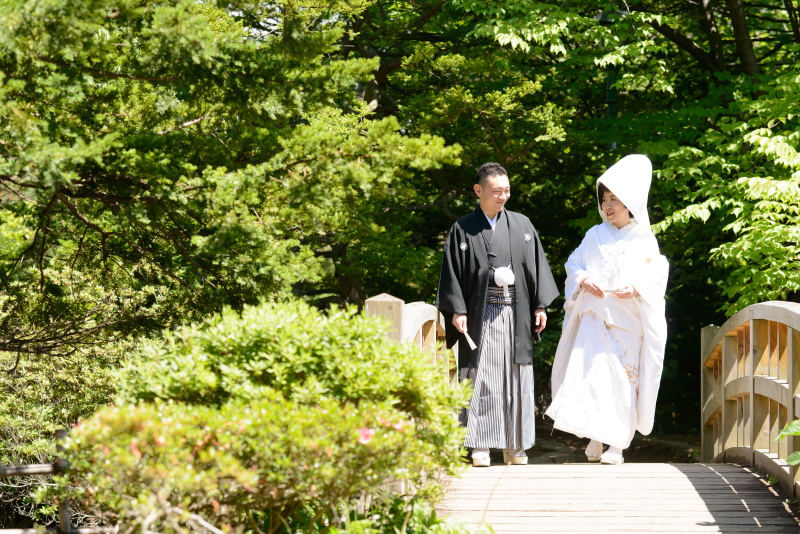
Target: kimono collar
[
  {"x": 619, "y": 233},
  {"x": 629, "y": 179},
  {"x": 483, "y": 220},
  {"x": 485, "y": 226}
]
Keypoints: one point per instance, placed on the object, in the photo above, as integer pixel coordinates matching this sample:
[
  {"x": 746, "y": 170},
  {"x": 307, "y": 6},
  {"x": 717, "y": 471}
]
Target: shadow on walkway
[{"x": 740, "y": 499}]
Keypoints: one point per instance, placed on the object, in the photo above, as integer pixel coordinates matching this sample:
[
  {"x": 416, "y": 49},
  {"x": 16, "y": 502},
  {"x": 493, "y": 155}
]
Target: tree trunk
[
  {"x": 714, "y": 39},
  {"x": 793, "y": 18},
  {"x": 744, "y": 46},
  {"x": 350, "y": 291}
]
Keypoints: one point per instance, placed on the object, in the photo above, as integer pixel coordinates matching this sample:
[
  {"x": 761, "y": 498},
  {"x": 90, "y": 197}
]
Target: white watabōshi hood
[{"x": 629, "y": 179}]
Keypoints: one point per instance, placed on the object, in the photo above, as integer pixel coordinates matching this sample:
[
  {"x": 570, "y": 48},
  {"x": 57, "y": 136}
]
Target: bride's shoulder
[
  {"x": 594, "y": 232},
  {"x": 591, "y": 238},
  {"x": 646, "y": 238},
  {"x": 594, "y": 229}
]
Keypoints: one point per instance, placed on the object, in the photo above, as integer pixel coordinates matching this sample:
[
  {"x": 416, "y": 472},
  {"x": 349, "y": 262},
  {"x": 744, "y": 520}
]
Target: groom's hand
[
  {"x": 460, "y": 322},
  {"x": 541, "y": 319}
]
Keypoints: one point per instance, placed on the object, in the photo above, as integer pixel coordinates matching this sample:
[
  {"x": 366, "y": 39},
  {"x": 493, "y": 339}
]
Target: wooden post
[
  {"x": 759, "y": 405},
  {"x": 760, "y": 342},
  {"x": 63, "y": 506},
  {"x": 391, "y": 309},
  {"x": 774, "y": 353},
  {"x": 706, "y": 443},
  {"x": 729, "y": 407},
  {"x": 793, "y": 379}
]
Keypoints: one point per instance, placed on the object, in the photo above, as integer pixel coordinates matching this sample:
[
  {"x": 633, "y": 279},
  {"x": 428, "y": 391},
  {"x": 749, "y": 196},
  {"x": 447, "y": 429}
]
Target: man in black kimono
[{"x": 481, "y": 298}]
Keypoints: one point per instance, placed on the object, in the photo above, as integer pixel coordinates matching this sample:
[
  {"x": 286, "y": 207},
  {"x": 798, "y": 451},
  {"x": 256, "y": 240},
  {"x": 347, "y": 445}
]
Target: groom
[{"x": 483, "y": 301}]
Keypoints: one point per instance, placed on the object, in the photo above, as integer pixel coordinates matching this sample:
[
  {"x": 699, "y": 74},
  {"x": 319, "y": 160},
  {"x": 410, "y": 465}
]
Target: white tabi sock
[
  {"x": 594, "y": 449},
  {"x": 480, "y": 453}
]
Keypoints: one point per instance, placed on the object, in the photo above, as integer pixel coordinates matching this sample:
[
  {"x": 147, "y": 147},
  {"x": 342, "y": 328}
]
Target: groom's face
[{"x": 494, "y": 193}]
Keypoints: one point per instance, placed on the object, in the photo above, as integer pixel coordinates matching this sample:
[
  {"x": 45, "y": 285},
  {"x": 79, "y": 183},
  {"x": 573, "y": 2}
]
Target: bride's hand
[
  {"x": 593, "y": 288},
  {"x": 627, "y": 292}
]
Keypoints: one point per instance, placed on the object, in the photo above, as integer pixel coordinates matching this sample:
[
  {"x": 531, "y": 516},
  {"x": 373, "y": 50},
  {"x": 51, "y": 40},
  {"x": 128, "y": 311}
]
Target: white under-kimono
[{"x": 607, "y": 367}]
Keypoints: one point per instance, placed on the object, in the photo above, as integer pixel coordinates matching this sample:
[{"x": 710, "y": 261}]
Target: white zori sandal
[
  {"x": 613, "y": 456},
  {"x": 480, "y": 458},
  {"x": 515, "y": 457},
  {"x": 594, "y": 450}
]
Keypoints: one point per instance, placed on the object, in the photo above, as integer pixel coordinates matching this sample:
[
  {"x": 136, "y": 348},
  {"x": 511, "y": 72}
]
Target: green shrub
[
  {"x": 40, "y": 396},
  {"x": 251, "y": 420},
  {"x": 295, "y": 349},
  {"x": 162, "y": 462},
  {"x": 412, "y": 517}
]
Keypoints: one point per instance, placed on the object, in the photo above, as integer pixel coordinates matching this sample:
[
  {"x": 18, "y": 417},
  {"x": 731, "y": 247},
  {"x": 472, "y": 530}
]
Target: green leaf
[{"x": 792, "y": 429}]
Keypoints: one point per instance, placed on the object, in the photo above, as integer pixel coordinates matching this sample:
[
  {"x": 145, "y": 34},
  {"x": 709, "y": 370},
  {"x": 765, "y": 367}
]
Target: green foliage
[
  {"x": 792, "y": 429},
  {"x": 182, "y": 158},
  {"x": 411, "y": 517},
  {"x": 148, "y": 466},
  {"x": 41, "y": 396},
  {"x": 249, "y": 419},
  {"x": 158, "y": 162},
  {"x": 747, "y": 175},
  {"x": 298, "y": 351}
]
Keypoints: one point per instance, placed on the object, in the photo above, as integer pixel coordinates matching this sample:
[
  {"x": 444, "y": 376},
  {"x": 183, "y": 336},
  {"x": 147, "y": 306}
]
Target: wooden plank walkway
[{"x": 589, "y": 498}]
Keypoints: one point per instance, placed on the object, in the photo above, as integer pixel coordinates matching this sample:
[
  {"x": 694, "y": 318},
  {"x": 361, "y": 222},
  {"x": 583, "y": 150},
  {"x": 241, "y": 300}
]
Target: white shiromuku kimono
[{"x": 607, "y": 367}]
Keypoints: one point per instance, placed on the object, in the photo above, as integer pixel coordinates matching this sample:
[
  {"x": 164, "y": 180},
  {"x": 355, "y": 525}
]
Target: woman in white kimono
[{"x": 607, "y": 367}]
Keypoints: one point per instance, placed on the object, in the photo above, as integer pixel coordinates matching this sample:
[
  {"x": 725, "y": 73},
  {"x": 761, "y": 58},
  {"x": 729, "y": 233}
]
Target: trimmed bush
[
  {"x": 295, "y": 349},
  {"x": 262, "y": 421}
]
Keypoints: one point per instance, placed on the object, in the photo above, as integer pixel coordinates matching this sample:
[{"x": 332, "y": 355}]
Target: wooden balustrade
[
  {"x": 64, "y": 525},
  {"x": 418, "y": 322},
  {"x": 750, "y": 389}
]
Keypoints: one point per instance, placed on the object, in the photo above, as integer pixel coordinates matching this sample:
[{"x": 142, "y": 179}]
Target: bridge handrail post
[{"x": 64, "y": 526}]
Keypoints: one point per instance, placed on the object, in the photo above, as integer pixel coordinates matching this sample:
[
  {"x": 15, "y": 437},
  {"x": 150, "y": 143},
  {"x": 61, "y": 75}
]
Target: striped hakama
[{"x": 501, "y": 412}]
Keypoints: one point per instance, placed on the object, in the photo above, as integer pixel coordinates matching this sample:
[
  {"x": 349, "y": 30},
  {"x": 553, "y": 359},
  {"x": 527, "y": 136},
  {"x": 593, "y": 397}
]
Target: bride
[{"x": 607, "y": 367}]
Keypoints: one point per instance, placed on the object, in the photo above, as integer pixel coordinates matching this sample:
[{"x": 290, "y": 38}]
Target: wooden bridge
[
  {"x": 750, "y": 390},
  {"x": 591, "y": 498}
]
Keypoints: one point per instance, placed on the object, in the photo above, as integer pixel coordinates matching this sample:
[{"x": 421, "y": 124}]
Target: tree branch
[
  {"x": 186, "y": 255},
  {"x": 444, "y": 199},
  {"x": 32, "y": 246},
  {"x": 494, "y": 141},
  {"x": 16, "y": 364},
  {"x": 765, "y": 56},
  {"x": 703, "y": 57},
  {"x": 714, "y": 39},
  {"x": 182, "y": 126},
  {"x": 71, "y": 207}
]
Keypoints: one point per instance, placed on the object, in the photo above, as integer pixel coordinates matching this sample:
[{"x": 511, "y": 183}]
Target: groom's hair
[{"x": 488, "y": 170}]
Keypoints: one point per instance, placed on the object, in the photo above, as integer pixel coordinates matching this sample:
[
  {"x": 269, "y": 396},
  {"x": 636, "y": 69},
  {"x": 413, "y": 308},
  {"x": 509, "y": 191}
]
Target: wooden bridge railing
[
  {"x": 418, "y": 322},
  {"x": 64, "y": 525},
  {"x": 750, "y": 389}
]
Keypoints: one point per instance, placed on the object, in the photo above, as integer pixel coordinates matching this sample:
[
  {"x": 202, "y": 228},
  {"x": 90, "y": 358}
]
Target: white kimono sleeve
[
  {"x": 576, "y": 272},
  {"x": 651, "y": 282}
]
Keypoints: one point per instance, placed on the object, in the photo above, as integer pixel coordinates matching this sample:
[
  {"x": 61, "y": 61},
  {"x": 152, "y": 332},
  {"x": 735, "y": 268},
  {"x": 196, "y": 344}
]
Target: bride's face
[{"x": 615, "y": 210}]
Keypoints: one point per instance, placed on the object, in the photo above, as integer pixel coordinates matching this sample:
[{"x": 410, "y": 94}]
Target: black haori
[{"x": 467, "y": 272}]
